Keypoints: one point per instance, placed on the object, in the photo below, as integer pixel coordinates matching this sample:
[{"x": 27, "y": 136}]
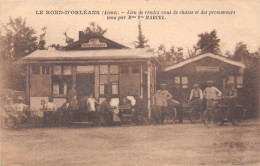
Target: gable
[
  {"x": 205, "y": 58},
  {"x": 93, "y": 42}
]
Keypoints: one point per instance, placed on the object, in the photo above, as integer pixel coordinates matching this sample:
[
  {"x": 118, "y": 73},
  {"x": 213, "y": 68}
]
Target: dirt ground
[{"x": 153, "y": 145}]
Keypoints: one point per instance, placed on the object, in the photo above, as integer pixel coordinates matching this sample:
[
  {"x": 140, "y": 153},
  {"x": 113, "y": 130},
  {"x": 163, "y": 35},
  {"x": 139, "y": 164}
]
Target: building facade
[
  {"x": 200, "y": 69},
  {"x": 96, "y": 65}
]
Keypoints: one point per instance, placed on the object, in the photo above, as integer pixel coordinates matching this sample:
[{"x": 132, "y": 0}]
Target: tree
[
  {"x": 94, "y": 28},
  {"x": 193, "y": 52},
  {"x": 228, "y": 54},
  {"x": 241, "y": 51},
  {"x": 209, "y": 42},
  {"x": 42, "y": 42},
  {"x": 19, "y": 39},
  {"x": 68, "y": 39},
  {"x": 56, "y": 46},
  {"x": 173, "y": 55},
  {"x": 141, "y": 40},
  {"x": 250, "y": 79}
]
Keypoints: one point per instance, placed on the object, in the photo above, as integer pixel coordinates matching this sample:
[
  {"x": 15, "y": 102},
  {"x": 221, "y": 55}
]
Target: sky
[{"x": 180, "y": 30}]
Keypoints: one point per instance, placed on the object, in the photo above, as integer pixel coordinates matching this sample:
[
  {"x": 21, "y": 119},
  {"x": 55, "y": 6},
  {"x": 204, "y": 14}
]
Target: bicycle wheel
[
  {"x": 194, "y": 116},
  {"x": 175, "y": 115}
]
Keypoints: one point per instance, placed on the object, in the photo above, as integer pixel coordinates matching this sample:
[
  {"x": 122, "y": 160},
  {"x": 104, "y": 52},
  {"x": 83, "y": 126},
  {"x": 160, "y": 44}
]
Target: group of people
[
  {"x": 13, "y": 112},
  {"x": 164, "y": 99},
  {"x": 105, "y": 112}
]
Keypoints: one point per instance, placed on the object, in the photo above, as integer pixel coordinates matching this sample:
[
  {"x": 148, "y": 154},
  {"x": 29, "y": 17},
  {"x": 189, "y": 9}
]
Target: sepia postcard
[{"x": 129, "y": 83}]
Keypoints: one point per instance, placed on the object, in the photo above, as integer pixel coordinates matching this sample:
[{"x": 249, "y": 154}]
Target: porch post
[
  {"x": 74, "y": 73},
  {"x": 141, "y": 82},
  {"x": 28, "y": 81},
  {"x": 149, "y": 89}
]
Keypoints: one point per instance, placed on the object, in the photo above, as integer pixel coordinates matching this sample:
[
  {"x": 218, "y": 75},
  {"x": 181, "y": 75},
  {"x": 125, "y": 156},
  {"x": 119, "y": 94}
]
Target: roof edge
[{"x": 193, "y": 59}]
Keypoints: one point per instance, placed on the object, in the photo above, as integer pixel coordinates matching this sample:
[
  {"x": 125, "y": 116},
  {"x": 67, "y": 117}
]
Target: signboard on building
[
  {"x": 94, "y": 43},
  {"x": 207, "y": 69}
]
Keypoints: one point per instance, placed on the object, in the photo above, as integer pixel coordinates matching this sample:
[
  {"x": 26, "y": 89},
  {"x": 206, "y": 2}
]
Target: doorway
[{"x": 85, "y": 86}]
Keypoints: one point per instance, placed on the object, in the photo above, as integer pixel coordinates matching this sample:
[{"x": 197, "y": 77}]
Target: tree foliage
[
  {"x": 141, "y": 40},
  {"x": 193, "y": 52},
  {"x": 173, "y": 55},
  {"x": 42, "y": 41},
  {"x": 241, "y": 51},
  {"x": 94, "y": 28},
  {"x": 68, "y": 39},
  {"x": 208, "y": 42},
  {"x": 18, "y": 40}
]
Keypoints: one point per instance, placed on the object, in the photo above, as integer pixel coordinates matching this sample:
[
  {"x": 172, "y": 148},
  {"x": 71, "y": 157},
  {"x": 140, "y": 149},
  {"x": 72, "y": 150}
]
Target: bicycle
[
  {"x": 195, "y": 111},
  {"x": 211, "y": 112}
]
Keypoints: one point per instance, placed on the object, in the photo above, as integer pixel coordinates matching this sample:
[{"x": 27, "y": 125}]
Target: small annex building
[{"x": 200, "y": 69}]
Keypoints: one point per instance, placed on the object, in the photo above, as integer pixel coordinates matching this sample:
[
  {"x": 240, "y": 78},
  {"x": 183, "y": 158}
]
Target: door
[{"x": 85, "y": 86}]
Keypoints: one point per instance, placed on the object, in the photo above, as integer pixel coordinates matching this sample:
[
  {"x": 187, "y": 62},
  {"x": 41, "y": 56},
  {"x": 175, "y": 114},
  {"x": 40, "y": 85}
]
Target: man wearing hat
[
  {"x": 196, "y": 97},
  {"x": 161, "y": 98},
  {"x": 196, "y": 93},
  {"x": 140, "y": 113},
  {"x": 106, "y": 112},
  {"x": 72, "y": 98},
  {"x": 230, "y": 96},
  {"x": 211, "y": 93}
]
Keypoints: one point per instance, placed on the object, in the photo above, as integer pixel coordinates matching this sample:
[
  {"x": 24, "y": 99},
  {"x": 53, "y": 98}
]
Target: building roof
[
  {"x": 199, "y": 57},
  {"x": 84, "y": 38},
  {"x": 88, "y": 55}
]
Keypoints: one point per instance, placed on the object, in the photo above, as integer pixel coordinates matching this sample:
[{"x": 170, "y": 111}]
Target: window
[
  {"x": 231, "y": 79},
  {"x": 67, "y": 70},
  {"x": 237, "y": 81},
  {"x": 61, "y": 79},
  {"x": 85, "y": 69},
  {"x": 124, "y": 69},
  {"x": 103, "y": 69},
  {"x": 56, "y": 70},
  {"x": 114, "y": 79},
  {"x": 45, "y": 69},
  {"x": 35, "y": 69},
  {"x": 182, "y": 81},
  {"x": 103, "y": 79},
  {"x": 108, "y": 79},
  {"x": 60, "y": 89},
  {"x": 136, "y": 69}
]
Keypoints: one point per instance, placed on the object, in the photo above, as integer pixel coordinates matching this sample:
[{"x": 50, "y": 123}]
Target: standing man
[
  {"x": 140, "y": 113},
  {"x": 230, "y": 99},
  {"x": 106, "y": 117},
  {"x": 179, "y": 96},
  {"x": 72, "y": 98},
  {"x": 196, "y": 93},
  {"x": 73, "y": 105},
  {"x": 91, "y": 103},
  {"x": 161, "y": 98},
  {"x": 195, "y": 100},
  {"x": 211, "y": 93},
  {"x": 196, "y": 97}
]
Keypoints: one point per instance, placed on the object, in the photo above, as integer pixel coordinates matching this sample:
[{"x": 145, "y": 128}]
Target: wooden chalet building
[
  {"x": 96, "y": 64},
  {"x": 200, "y": 69}
]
